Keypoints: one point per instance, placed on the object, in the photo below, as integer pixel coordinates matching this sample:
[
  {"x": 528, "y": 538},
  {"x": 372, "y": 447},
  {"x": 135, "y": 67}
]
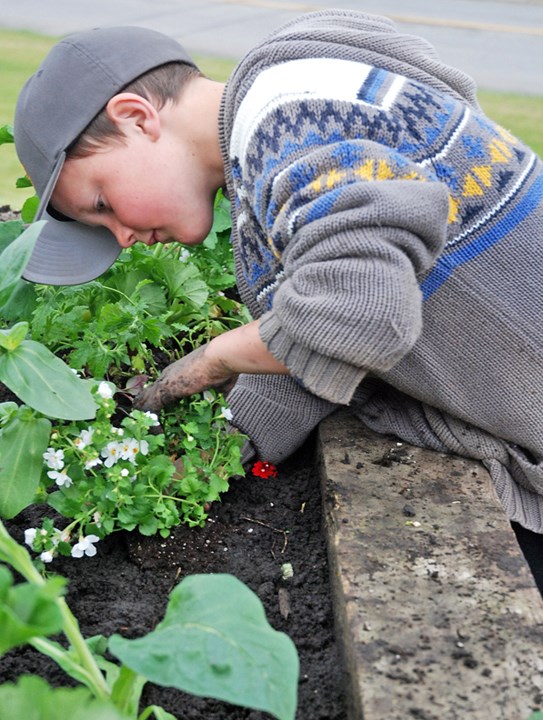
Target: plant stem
[
  {"x": 16, "y": 556},
  {"x": 71, "y": 629}
]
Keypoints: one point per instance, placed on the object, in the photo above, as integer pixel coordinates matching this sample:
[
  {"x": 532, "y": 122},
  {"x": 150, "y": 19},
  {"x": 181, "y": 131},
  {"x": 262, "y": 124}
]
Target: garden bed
[{"x": 260, "y": 526}]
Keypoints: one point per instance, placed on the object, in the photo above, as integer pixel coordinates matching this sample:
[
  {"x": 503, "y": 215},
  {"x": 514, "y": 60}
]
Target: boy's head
[{"x": 59, "y": 113}]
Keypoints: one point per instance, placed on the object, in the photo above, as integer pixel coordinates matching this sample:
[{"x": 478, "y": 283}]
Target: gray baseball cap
[{"x": 72, "y": 85}]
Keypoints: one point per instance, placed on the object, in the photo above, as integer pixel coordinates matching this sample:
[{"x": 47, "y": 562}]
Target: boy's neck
[{"x": 196, "y": 118}]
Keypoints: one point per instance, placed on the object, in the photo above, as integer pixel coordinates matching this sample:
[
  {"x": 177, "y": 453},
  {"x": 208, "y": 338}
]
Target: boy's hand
[
  {"x": 215, "y": 365},
  {"x": 189, "y": 375}
]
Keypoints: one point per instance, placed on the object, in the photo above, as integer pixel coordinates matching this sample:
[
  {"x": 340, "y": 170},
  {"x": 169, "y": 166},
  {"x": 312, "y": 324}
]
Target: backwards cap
[{"x": 72, "y": 85}]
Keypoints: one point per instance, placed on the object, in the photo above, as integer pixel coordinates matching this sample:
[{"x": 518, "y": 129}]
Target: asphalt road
[{"x": 499, "y": 43}]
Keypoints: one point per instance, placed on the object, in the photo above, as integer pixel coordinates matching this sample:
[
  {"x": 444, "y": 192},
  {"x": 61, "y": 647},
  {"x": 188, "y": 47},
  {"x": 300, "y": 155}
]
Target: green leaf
[
  {"x": 45, "y": 383},
  {"x": 22, "y": 444},
  {"x": 30, "y": 208},
  {"x": 23, "y": 182},
  {"x": 7, "y": 409},
  {"x": 15, "y": 258},
  {"x": 215, "y": 641},
  {"x": 9, "y": 231},
  {"x": 32, "y": 699},
  {"x": 27, "y": 610},
  {"x": 12, "y": 337},
  {"x": 158, "y": 712},
  {"x": 6, "y": 134},
  {"x": 21, "y": 303},
  {"x": 183, "y": 280},
  {"x": 221, "y": 217}
]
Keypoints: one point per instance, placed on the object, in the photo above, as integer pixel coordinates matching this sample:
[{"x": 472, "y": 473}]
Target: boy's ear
[{"x": 130, "y": 111}]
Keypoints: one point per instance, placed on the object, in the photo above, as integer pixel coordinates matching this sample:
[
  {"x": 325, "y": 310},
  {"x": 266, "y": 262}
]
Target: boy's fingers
[
  {"x": 149, "y": 399},
  {"x": 188, "y": 376}
]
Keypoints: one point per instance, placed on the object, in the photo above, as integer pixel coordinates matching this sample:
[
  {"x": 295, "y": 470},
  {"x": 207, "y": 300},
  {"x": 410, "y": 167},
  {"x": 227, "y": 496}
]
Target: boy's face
[{"x": 147, "y": 189}]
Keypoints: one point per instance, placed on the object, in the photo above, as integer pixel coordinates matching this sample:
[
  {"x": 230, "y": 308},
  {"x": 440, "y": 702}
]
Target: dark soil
[{"x": 259, "y": 526}]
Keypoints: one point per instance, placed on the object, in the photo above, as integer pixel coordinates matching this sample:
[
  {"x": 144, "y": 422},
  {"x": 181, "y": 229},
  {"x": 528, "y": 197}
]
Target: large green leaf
[
  {"x": 15, "y": 258},
  {"x": 21, "y": 303},
  {"x": 33, "y": 699},
  {"x": 45, "y": 383},
  {"x": 22, "y": 444},
  {"x": 10, "y": 231},
  {"x": 27, "y": 610},
  {"x": 215, "y": 641},
  {"x": 183, "y": 280}
]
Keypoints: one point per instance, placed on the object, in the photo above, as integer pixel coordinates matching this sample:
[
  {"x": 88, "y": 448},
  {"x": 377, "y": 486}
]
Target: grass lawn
[{"x": 21, "y": 53}]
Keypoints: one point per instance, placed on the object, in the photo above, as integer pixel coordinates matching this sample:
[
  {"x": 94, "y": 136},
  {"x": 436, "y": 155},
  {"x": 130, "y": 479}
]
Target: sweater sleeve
[{"x": 353, "y": 242}]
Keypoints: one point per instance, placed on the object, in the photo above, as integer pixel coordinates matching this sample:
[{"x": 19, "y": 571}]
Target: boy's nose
[{"x": 124, "y": 236}]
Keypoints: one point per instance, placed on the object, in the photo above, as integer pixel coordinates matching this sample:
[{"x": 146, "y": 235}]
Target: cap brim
[{"x": 70, "y": 253}]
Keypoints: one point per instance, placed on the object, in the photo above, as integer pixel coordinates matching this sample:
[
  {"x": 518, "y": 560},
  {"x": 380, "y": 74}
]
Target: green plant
[
  {"x": 168, "y": 298},
  {"x": 112, "y": 328},
  {"x": 108, "y": 477},
  {"x": 42, "y": 381},
  {"x": 214, "y": 641},
  {"x": 30, "y": 205}
]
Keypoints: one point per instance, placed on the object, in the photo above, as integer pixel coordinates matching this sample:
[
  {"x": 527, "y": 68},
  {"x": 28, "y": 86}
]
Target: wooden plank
[{"x": 436, "y": 609}]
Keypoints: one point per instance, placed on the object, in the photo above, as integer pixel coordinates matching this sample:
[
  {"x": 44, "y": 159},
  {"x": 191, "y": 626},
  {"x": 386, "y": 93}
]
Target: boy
[{"x": 388, "y": 237}]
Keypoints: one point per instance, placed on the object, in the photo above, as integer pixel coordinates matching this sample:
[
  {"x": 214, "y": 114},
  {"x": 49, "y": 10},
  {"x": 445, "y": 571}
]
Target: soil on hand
[{"x": 260, "y": 525}]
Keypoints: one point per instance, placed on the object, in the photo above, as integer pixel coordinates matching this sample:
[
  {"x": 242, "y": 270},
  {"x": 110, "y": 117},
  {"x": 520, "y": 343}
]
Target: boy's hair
[
  {"x": 159, "y": 86},
  {"x": 57, "y": 105}
]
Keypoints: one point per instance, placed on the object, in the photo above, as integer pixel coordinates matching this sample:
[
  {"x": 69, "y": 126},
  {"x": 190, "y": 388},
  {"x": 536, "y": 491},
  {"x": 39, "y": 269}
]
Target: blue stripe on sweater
[
  {"x": 447, "y": 264},
  {"x": 373, "y": 83}
]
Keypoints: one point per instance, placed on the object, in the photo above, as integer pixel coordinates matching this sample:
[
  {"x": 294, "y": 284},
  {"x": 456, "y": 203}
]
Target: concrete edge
[{"x": 437, "y": 613}]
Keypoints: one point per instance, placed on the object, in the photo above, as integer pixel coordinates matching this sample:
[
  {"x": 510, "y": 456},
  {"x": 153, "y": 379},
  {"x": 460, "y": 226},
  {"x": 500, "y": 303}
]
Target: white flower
[
  {"x": 184, "y": 255},
  {"x": 54, "y": 459},
  {"x": 117, "y": 431},
  {"x": 227, "y": 414},
  {"x": 208, "y": 396},
  {"x": 111, "y": 453},
  {"x": 61, "y": 478},
  {"x": 131, "y": 447},
  {"x": 46, "y": 556},
  {"x": 61, "y": 536},
  {"x": 84, "y": 439},
  {"x": 30, "y": 536},
  {"x": 92, "y": 463},
  {"x": 144, "y": 447},
  {"x": 125, "y": 472},
  {"x": 104, "y": 390},
  {"x": 152, "y": 416},
  {"x": 85, "y": 547}
]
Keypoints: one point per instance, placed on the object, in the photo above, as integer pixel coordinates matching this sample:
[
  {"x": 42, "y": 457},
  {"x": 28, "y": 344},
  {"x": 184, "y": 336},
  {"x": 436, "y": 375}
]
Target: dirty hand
[
  {"x": 191, "y": 374},
  {"x": 215, "y": 365}
]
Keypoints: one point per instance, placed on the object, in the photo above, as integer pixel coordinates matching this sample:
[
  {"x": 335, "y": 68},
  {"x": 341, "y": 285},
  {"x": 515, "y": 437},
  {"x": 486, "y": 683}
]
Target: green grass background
[{"x": 22, "y": 52}]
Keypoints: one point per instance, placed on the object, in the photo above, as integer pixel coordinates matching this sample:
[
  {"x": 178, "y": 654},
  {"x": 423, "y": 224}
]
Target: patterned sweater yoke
[{"x": 384, "y": 227}]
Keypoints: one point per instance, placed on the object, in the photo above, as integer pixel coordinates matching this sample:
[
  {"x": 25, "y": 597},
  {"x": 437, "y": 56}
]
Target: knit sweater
[{"x": 389, "y": 236}]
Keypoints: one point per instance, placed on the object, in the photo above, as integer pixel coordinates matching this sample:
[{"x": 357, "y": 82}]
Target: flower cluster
[
  {"x": 264, "y": 469},
  {"x": 134, "y": 474},
  {"x": 51, "y": 538}
]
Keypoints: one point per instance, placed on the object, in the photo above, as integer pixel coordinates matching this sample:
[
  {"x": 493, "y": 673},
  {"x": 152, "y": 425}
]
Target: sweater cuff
[{"x": 328, "y": 378}]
